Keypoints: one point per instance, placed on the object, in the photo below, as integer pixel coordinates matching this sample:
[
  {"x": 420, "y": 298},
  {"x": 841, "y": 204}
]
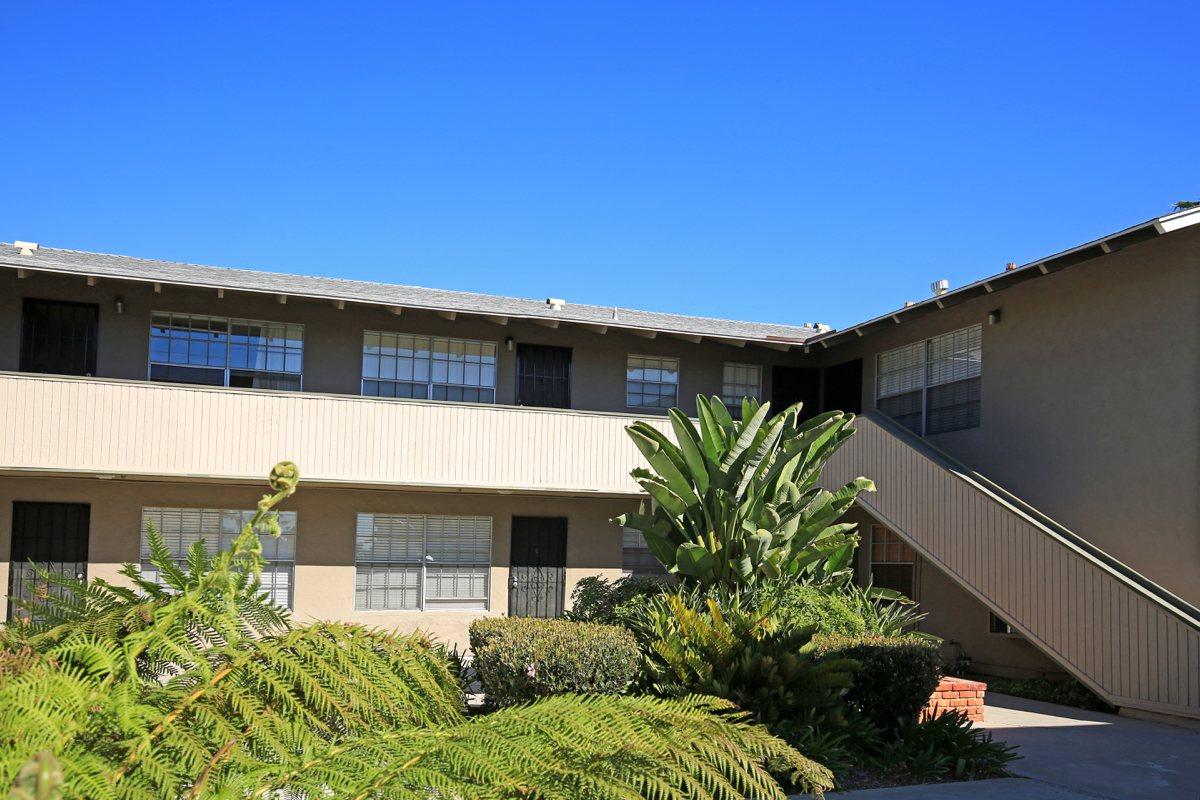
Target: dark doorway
[
  {"x": 543, "y": 376},
  {"x": 790, "y": 385},
  {"x": 844, "y": 387},
  {"x": 537, "y": 566},
  {"x": 59, "y": 337},
  {"x": 54, "y": 536}
]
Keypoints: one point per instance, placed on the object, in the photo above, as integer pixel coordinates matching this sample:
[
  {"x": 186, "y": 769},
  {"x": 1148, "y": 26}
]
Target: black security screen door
[
  {"x": 791, "y": 385},
  {"x": 52, "y": 535},
  {"x": 844, "y": 387},
  {"x": 537, "y": 567},
  {"x": 58, "y": 337},
  {"x": 543, "y": 376}
]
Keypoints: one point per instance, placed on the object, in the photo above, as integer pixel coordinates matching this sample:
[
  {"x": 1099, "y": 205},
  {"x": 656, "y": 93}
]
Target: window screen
[
  {"x": 933, "y": 386},
  {"x": 418, "y": 562},
  {"x": 636, "y": 558},
  {"x": 180, "y": 528},
  {"x": 220, "y": 351},
  {"x": 428, "y": 367},
  {"x": 651, "y": 382},
  {"x": 741, "y": 380}
]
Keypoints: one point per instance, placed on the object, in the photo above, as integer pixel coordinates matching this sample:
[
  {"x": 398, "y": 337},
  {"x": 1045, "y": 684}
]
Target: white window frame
[
  {"x": 151, "y": 362},
  {"x": 365, "y": 523},
  {"x": 429, "y": 382},
  {"x": 923, "y": 349},
  {"x": 726, "y": 384},
  {"x": 629, "y": 357},
  {"x": 915, "y": 563},
  {"x": 226, "y": 524}
]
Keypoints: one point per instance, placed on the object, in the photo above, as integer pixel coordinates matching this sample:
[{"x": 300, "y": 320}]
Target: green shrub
[
  {"x": 895, "y": 678},
  {"x": 731, "y": 648},
  {"x": 884, "y": 612},
  {"x": 1065, "y": 691},
  {"x": 946, "y": 746},
  {"x": 597, "y": 599},
  {"x": 519, "y": 659},
  {"x": 826, "y": 610}
]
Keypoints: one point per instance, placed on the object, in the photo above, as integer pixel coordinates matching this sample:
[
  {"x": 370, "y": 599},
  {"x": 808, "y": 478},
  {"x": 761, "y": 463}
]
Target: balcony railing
[{"x": 88, "y": 426}]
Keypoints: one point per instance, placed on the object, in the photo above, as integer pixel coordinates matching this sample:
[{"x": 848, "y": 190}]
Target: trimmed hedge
[
  {"x": 519, "y": 659},
  {"x": 895, "y": 679}
]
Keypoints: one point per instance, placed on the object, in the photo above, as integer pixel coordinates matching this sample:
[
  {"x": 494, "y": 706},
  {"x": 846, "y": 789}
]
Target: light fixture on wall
[
  {"x": 119, "y": 304},
  {"x": 508, "y": 343},
  {"x": 994, "y": 317}
]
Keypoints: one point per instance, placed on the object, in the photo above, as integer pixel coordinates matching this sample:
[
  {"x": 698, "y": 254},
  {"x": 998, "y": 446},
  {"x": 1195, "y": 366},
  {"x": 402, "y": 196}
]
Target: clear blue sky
[{"x": 785, "y": 162}]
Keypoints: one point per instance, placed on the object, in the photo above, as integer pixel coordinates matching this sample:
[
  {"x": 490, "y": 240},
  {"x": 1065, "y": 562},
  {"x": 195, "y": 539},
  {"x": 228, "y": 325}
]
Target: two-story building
[{"x": 462, "y": 454}]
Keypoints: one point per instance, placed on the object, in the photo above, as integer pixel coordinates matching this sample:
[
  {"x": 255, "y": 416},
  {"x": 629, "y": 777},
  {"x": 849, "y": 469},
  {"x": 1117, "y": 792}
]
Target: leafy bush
[
  {"x": 1065, "y": 692},
  {"x": 895, "y": 678},
  {"x": 743, "y": 653},
  {"x": 884, "y": 612},
  {"x": 596, "y": 599},
  {"x": 947, "y": 746},
  {"x": 738, "y": 501},
  {"x": 519, "y": 659},
  {"x": 825, "y": 609},
  {"x": 203, "y": 689}
]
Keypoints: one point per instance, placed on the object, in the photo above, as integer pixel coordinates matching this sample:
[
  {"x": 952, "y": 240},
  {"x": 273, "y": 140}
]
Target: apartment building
[{"x": 1035, "y": 437}]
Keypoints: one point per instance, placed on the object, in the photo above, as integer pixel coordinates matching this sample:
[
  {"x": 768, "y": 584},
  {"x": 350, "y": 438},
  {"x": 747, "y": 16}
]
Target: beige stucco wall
[
  {"x": 1090, "y": 400},
  {"x": 333, "y": 338},
  {"x": 325, "y": 521}
]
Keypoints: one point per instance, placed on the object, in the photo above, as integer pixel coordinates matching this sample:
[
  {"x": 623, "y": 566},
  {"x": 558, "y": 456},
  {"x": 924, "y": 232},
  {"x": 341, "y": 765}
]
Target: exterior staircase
[{"x": 1131, "y": 641}]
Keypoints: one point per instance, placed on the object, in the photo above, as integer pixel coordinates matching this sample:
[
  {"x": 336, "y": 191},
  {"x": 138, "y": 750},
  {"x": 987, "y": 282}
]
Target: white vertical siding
[{"x": 75, "y": 425}]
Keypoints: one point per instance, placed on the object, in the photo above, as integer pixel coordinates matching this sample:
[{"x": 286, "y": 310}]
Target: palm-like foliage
[
  {"x": 200, "y": 688},
  {"x": 732, "y": 647},
  {"x": 737, "y": 500}
]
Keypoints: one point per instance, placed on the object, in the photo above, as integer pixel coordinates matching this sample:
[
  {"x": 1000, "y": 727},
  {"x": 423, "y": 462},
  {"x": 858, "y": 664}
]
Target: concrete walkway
[
  {"x": 997, "y": 789},
  {"x": 1098, "y": 755},
  {"x": 1070, "y": 754}
]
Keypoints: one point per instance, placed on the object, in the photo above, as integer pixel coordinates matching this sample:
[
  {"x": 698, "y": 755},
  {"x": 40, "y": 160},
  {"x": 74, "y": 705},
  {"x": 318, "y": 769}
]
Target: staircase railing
[{"x": 1129, "y": 639}]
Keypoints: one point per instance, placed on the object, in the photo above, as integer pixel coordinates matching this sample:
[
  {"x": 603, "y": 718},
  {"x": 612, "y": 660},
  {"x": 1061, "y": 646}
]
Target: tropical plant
[
  {"x": 736, "y": 501},
  {"x": 824, "y": 609},
  {"x": 727, "y": 647},
  {"x": 597, "y": 599},
  {"x": 201, "y": 689},
  {"x": 884, "y": 612},
  {"x": 946, "y": 746}
]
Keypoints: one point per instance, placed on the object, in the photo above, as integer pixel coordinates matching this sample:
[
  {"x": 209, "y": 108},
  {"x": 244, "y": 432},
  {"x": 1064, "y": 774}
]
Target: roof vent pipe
[
  {"x": 1010, "y": 266},
  {"x": 25, "y": 248},
  {"x": 555, "y": 303},
  {"x": 940, "y": 287}
]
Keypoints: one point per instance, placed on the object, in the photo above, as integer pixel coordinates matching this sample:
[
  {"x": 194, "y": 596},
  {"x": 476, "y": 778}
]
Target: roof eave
[
  {"x": 1106, "y": 245},
  {"x": 734, "y": 340}
]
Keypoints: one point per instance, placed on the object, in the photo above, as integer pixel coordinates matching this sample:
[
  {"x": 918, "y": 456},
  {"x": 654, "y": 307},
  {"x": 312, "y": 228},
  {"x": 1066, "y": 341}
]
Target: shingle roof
[{"x": 141, "y": 269}]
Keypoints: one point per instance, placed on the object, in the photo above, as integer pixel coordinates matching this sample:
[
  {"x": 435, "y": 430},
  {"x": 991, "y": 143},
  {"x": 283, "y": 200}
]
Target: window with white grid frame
[
  {"x": 893, "y": 562},
  {"x": 410, "y": 562},
  {"x": 651, "y": 382},
  {"x": 741, "y": 380},
  {"x": 180, "y": 528},
  {"x": 224, "y": 351},
  {"x": 428, "y": 367},
  {"x": 933, "y": 386},
  {"x": 636, "y": 558}
]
